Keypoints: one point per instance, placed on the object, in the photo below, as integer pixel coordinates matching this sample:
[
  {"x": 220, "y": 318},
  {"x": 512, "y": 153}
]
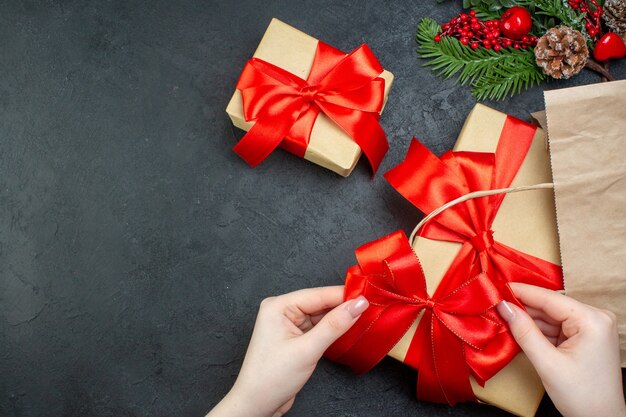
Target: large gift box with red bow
[
  {"x": 312, "y": 100},
  {"x": 433, "y": 298}
]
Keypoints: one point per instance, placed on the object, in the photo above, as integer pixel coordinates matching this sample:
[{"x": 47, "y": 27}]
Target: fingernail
[
  {"x": 357, "y": 306},
  {"x": 505, "y": 311}
]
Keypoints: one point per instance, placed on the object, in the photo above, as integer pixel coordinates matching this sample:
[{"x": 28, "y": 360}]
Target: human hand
[
  {"x": 574, "y": 348},
  {"x": 291, "y": 334}
]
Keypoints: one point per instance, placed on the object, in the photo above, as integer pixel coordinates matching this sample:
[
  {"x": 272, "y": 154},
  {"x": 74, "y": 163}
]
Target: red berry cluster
[
  {"x": 469, "y": 30},
  {"x": 593, "y": 14}
]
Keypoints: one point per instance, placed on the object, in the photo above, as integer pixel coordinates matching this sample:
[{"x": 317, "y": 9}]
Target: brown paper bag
[
  {"x": 587, "y": 137},
  {"x": 293, "y": 50}
]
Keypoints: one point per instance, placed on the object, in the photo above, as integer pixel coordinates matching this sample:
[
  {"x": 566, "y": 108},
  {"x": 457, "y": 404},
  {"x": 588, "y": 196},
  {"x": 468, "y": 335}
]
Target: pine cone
[
  {"x": 615, "y": 15},
  {"x": 562, "y": 52}
]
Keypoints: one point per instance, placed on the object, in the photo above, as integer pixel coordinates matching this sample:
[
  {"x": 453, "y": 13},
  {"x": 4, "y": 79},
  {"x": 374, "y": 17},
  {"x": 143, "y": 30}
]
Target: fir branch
[
  {"x": 493, "y": 75},
  {"x": 503, "y": 82},
  {"x": 561, "y": 11},
  {"x": 493, "y": 9}
]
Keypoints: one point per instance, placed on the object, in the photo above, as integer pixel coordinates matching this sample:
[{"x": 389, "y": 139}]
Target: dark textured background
[{"x": 135, "y": 246}]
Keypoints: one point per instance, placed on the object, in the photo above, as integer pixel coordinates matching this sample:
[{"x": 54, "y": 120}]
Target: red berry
[
  {"x": 592, "y": 32},
  {"x": 472, "y": 13},
  {"x": 437, "y": 38},
  {"x": 516, "y": 45},
  {"x": 496, "y": 47},
  {"x": 507, "y": 43},
  {"x": 516, "y": 22},
  {"x": 464, "y": 40},
  {"x": 474, "y": 45}
]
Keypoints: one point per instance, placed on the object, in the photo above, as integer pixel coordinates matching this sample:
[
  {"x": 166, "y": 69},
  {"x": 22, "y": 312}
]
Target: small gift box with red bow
[
  {"x": 433, "y": 296},
  {"x": 304, "y": 96}
]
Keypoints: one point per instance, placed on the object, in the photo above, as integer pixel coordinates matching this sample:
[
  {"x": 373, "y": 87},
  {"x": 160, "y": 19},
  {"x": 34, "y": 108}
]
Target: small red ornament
[
  {"x": 516, "y": 23},
  {"x": 609, "y": 46}
]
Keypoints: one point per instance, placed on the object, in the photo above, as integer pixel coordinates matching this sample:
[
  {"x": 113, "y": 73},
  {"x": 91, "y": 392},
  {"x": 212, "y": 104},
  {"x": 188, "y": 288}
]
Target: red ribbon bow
[
  {"x": 457, "y": 336},
  {"x": 438, "y": 181},
  {"x": 346, "y": 88}
]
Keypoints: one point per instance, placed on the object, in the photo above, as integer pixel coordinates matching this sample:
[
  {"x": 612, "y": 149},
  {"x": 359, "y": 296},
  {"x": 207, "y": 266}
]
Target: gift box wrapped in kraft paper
[
  {"x": 433, "y": 295},
  {"x": 312, "y": 100}
]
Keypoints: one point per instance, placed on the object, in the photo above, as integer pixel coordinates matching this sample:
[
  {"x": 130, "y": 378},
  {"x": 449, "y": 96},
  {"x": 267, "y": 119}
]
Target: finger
[
  {"x": 526, "y": 333},
  {"x": 556, "y": 306},
  {"x": 553, "y": 340},
  {"x": 313, "y": 300},
  {"x": 334, "y": 324},
  {"x": 548, "y": 329},
  {"x": 317, "y": 317},
  {"x": 306, "y": 324},
  {"x": 540, "y": 314}
]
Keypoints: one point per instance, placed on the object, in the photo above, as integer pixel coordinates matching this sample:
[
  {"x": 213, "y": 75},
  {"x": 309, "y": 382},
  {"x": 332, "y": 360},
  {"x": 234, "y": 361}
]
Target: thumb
[
  {"x": 335, "y": 323},
  {"x": 526, "y": 333}
]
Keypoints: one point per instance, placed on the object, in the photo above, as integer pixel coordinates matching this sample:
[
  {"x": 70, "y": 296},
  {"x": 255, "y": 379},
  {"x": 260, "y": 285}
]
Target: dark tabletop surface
[{"x": 135, "y": 246}]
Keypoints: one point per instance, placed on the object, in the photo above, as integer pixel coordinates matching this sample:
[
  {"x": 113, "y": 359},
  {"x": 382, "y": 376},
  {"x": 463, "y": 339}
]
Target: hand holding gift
[
  {"x": 581, "y": 374},
  {"x": 291, "y": 333},
  {"x": 574, "y": 348}
]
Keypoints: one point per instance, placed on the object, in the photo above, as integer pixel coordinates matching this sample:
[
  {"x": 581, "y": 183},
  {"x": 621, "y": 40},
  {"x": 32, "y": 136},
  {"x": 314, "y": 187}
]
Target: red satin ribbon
[
  {"x": 429, "y": 182},
  {"x": 346, "y": 88},
  {"x": 457, "y": 336}
]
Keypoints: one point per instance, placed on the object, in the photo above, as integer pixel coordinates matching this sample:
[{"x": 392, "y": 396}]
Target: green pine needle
[
  {"x": 493, "y": 9},
  {"x": 562, "y": 12},
  {"x": 492, "y": 75}
]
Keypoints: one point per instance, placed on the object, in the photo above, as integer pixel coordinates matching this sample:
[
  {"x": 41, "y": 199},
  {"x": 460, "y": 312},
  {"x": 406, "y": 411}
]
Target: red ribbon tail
[
  {"x": 266, "y": 134},
  {"x": 363, "y": 128},
  {"x": 443, "y": 375},
  {"x": 517, "y": 266}
]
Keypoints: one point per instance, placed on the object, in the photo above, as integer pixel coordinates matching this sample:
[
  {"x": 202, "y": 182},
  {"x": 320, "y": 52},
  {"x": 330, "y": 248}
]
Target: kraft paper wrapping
[
  {"x": 293, "y": 50},
  {"x": 525, "y": 221},
  {"x": 586, "y": 132}
]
